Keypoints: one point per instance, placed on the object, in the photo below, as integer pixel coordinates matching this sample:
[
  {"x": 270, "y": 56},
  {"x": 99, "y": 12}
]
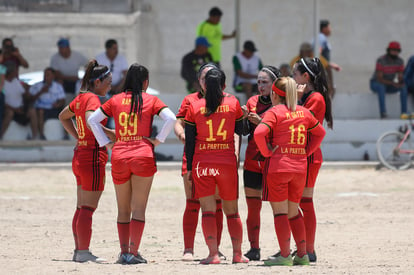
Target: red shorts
[
  {"x": 122, "y": 169},
  {"x": 284, "y": 186},
  {"x": 312, "y": 174},
  {"x": 253, "y": 165},
  {"x": 88, "y": 166},
  {"x": 206, "y": 176}
]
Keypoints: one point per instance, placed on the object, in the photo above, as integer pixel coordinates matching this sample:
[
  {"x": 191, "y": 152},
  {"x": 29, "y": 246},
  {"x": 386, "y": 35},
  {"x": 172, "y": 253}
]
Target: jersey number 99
[{"x": 128, "y": 123}]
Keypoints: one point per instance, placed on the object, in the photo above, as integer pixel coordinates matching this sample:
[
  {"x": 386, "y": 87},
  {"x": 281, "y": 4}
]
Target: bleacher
[{"x": 356, "y": 129}]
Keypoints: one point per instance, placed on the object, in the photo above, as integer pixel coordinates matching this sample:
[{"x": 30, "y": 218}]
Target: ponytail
[
  {"x": 214, "y": 90},
  {"x": 285, "y": 88},
  {"x": 134, "y": 82},
  {"x": 87, "y": 76},
  {"x": 93, "y": 72},
  {"x": 317, "y": 76}
]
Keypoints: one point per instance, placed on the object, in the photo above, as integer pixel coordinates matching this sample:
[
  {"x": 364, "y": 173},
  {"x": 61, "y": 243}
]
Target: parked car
[{"x": 37, "y": 76}]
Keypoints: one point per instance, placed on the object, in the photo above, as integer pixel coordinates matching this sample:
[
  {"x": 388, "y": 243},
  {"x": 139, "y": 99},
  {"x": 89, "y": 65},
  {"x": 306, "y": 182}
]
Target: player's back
[
  {"x": 85, "y": 101},
  {"x": 215, "y": 132},
  {"x": 289, "y": 133}
]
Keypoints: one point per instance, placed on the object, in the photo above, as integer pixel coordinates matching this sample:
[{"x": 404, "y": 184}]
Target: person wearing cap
[
  {"x": 388, "y": 78},
  {"x": 212, "y": 30},
  {"x": 246, "y": 66},
  {"x": 12, "y": 54},
  {"x": 192, "y": 62},
  {"x": 66, "y": 63}
]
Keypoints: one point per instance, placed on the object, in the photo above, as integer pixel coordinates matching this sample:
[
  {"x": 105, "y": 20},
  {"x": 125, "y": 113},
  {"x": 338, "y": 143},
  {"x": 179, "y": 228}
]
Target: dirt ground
[{"x": 365, "y": 225}]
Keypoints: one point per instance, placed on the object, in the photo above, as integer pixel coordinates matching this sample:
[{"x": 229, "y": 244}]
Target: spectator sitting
[
  {"x": 285, "y": 70},
  {"x": 388, "y": 78},
  {"x": 49, "y": 98},
  {"x": 66, "y": 63},
  {"x": 192, "y": 62},
  {"x": 246, "y": 66},
  {"x": 16, "y": 103},
  {"x": 116, "y": 63},
  {"x": 11, "y": 54}
]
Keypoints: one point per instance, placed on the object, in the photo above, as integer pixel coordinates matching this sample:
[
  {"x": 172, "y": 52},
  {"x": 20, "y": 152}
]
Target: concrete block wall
[{"x": 164, "y": 31}]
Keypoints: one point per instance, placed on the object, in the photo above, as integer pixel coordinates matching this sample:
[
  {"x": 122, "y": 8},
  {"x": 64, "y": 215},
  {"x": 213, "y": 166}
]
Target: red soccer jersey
[
  {"x": 289, "y": 131},
  {"x": 186, "y": 103},
  {"x": 258, "y": 105},
  {"x": 85, "y": 101},
  {"x": 215, "y": 133},
  {"x": 131, "y": 130},
  {"x": 315, "y": 103}
]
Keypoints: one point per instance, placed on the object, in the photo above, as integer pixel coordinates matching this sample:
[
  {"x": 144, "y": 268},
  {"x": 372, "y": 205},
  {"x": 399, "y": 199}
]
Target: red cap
[{"x": 394, "y": 45}]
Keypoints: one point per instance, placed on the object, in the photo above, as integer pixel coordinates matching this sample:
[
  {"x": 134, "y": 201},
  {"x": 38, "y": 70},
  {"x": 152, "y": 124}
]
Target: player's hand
[
  {"x": 154, "y": 141},
  {"x": 273, "y": 149},
  {"x": 181, "y": 137},
  {"x": 300, "y": 89},
  {"x": 189, "y": 176},
  {"x": 245, "y": 111},
  {"x": 109, "y": 146},
  {"x": 254, "y": 118}
]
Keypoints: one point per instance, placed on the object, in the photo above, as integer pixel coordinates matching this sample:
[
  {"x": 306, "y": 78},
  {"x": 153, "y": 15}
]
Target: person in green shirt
[{"x": 211, "y": 29}]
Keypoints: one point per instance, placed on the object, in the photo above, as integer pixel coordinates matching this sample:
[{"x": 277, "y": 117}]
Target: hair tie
[
  {"x": 278, "y": 91},
  {"x": 307, "y": 68},
  {"x": 269, "y": 71}
]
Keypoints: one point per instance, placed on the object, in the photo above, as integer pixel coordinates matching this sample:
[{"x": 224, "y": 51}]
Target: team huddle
[{"x": 284, "y": 127}]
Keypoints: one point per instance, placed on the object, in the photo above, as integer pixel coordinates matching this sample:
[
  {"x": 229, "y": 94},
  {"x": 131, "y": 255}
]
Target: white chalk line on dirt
[
  {"x": 25, "y": 198},
  {"x": 357, "y": 194}
]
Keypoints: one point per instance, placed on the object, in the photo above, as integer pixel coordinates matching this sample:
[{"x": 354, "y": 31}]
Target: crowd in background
[{"x": 33, "y": 105}]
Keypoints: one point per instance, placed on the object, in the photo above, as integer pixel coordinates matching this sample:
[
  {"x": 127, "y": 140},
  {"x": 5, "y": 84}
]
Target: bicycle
[{"x": 395, "y": 149}]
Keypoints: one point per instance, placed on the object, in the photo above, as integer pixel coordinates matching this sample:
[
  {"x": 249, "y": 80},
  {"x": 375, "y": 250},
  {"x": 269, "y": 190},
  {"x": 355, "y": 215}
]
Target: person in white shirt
[
  {"x": 67, "y": 62},
  {"x": 16, "y": 107},
  {"x": 48, "y": 97},
  {"x": 116, "y": 63},
  {"x": 246, "y": 66}
]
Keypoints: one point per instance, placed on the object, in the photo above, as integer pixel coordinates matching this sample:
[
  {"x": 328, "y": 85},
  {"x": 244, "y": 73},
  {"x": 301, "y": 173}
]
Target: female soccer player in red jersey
[
  {"x": 310, "y": 73},
  {"x": 89, "y": 160},
  {"x": 212, "y": 157},
  {"x": 133, "y": 161},
  {"x": 287, "y": 126},
  {"x": 190, "y": 217},
  {"x": 254, "y": 111}
]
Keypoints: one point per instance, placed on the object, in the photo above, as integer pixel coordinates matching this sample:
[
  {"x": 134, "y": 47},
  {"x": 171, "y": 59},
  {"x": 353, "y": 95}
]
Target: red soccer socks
[
  {"x": 190, "y": 220},
  {"x": 123, "y": 234},
  {"x": 74, "y": 222},
  {"x": 136, "y": 228},
  {"x": 306, "y": 204},
  {"x": 283, "y": 233},
  {"x": 219, "y": 220},
  {"x": 254, "y": 205},
  {"x": 210, "y": 232},
  {"x": 84, "y": 227},
  {"x": 299, "y": 234}
]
